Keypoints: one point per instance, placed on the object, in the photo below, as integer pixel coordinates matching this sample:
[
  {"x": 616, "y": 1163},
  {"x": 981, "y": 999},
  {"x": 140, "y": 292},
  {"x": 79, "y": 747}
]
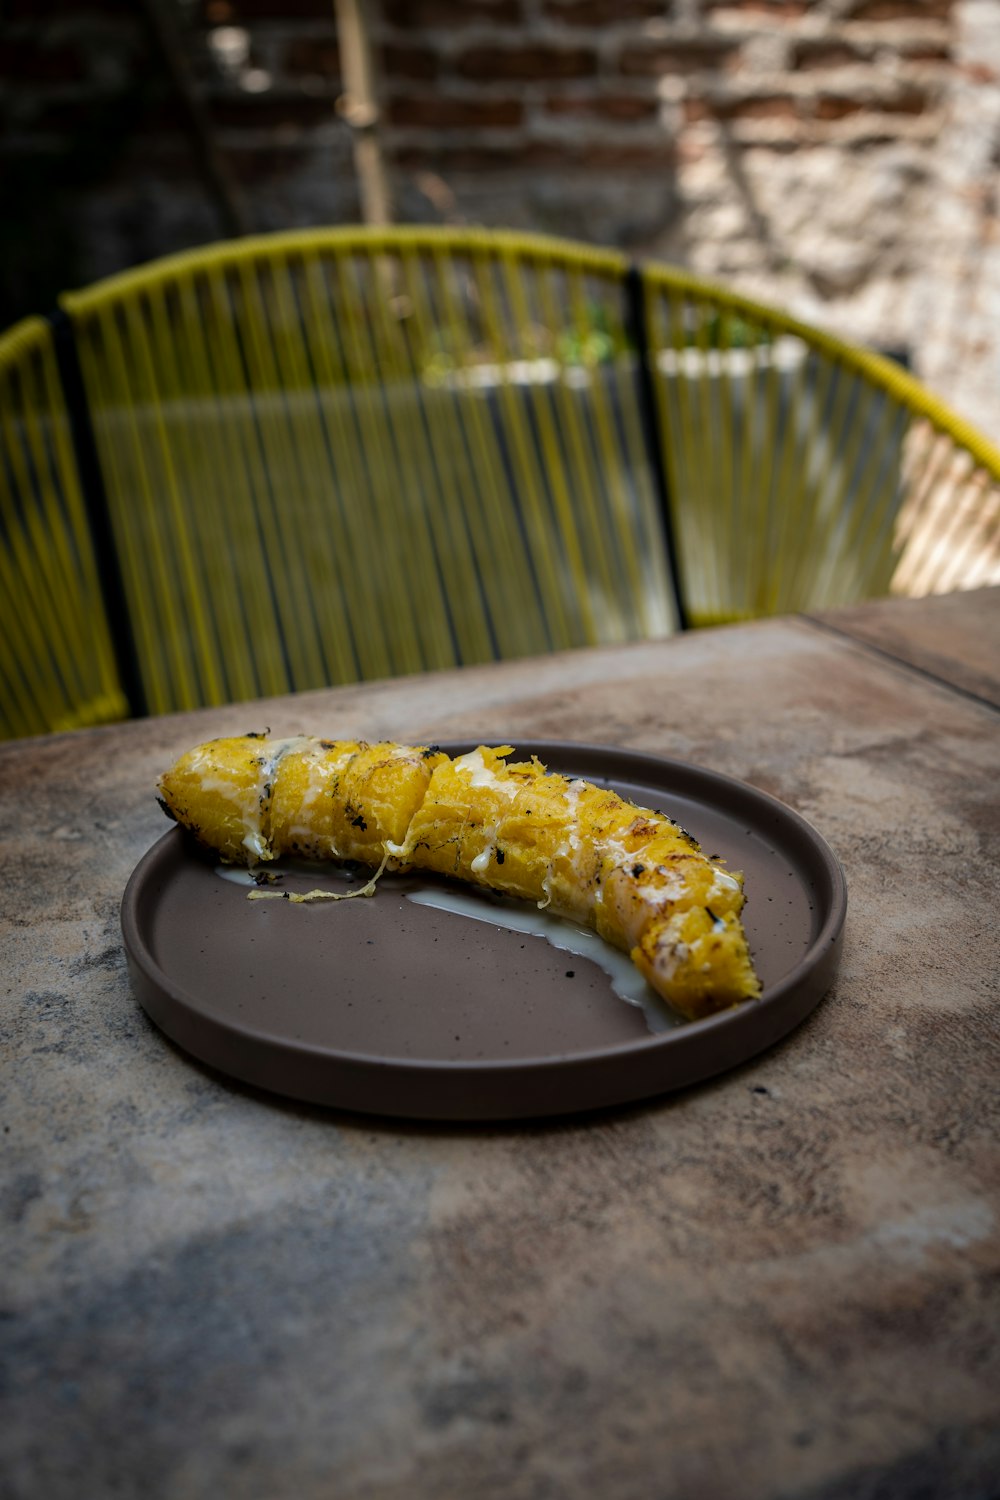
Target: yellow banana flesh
[{"x": 579, "y": 850}]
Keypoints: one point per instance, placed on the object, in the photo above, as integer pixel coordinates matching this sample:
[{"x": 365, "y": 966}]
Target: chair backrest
[
  {"x": 57, "y": 666},
  {"x": 340, "y": 454},
  {"x": 805, "y": 472},
  {"x": 335, "y": 455}
]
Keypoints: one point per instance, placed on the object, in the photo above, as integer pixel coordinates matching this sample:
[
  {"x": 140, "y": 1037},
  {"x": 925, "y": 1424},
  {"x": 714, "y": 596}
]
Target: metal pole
[
  {"x": 95, "y": 501},
  {"x": 359, "y": 108},
  {"x": 635, "y": 307}
]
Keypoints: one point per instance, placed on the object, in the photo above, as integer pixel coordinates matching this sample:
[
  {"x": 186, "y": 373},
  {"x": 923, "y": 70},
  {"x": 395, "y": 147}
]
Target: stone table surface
[
  {"x": 948, "y": 636},
  {"x": 781, "y": 1283}
]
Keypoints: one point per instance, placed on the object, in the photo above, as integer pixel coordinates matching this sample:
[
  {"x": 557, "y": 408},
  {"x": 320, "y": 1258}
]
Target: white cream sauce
[
  {"x": 271, "y": 874},
  {"x": 569, "y": 848},
  {"x": 626, "y": 981},
  {"x": 249, "y": 800},
  {"x": 723, "y": 882},
  {"x": 480, "y": 774},
  {"x": 235, "y": 874}
]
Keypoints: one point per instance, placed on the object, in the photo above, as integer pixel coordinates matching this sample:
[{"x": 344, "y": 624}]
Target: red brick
[
  {"x": 251, "y": 168},
  {"x": 676, "y": 57},
  {"x": 913, "y": 102},
  {"x": 603, "y": 12},
  {"x": 45, "y": 10},
  {"x": 167, "y": 154},
  {"x": 166, "y": 117},
  {"x": 766, "y": 107},
  {"x": 29, "y": 60},
  {"x": 762, "y": 107},
  {"x": 604, "y": 106},
  {"x": 460, "y": 156},
  {"x": 921, "y": 52},
  {"x": 505, "y": 156},
  {"x": 528, "y": 62},
  {"x": 312, "y": 57},
  {"x": 444, "y": 112},
  {"x": 977, "y": 72},
  {"x": 695, "y": 110},
  {"x": 815, "y": 54},
  {"x": 901, "y": 10},
  {"x": 408, "y": 62},
  {"x": 277, "y": 10},
  {"x": 626, "y": 156},
  {"x": 777, "y": 10},
  {"x": 294, "y": 114},
  {"x": 833, "y": 107},
  {"x": 829, "y": 108},
  {"x": 416, "y": 14}
]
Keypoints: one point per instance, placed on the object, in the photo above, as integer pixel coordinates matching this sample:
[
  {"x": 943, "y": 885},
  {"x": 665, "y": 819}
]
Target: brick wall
[{"x": 838, "y": 156}]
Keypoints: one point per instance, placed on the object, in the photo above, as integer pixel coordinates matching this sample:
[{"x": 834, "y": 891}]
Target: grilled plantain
[{"x": 580, "y": 850}]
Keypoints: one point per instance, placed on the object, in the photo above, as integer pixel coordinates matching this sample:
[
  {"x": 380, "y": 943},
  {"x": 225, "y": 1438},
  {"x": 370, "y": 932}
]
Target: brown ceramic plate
[{"x": 395, "y": 1007}]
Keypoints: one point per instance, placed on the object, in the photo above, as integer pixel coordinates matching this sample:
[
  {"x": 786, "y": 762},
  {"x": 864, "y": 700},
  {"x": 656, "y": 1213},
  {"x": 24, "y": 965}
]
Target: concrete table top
[
  {"x": 948, "y": 636},
  {"x": 782, "y": 1283}
]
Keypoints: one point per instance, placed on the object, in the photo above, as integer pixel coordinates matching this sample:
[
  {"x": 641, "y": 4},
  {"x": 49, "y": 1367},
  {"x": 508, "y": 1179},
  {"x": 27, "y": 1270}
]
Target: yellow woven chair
[
  {"x": 804, "y": 472},
  {"x": 332, "y": 455},
  {"x": 57, "y": 666},
  {"x": 343, "y": 454}
]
